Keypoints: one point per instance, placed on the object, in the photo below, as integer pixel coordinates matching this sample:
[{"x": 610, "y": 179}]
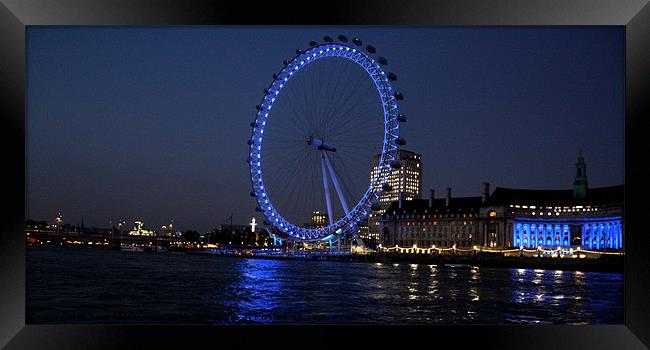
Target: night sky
[{"x": 152, "y": 123}]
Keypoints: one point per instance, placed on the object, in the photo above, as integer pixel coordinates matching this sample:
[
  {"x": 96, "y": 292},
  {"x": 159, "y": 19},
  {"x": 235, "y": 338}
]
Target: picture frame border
[{"x": 17, "y": 15}]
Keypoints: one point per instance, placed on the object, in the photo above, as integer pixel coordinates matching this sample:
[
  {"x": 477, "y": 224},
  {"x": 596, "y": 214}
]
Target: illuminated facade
[
  {"x": 591, "y": 218},
  {"x": 168, "y": 230},
  {"x": 602, "y": 233},
  {"x": 319, "y": 219},
  {"x": 534, "y": 218},
  {"x": 364, "y": 232},
  {"x": 406, "y": 180},
  {"x": 139, "y": 230},
  {"x": 439, "y": 222}
]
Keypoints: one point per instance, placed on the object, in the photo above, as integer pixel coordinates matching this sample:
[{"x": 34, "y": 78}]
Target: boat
[
  {"x": 459, "y": 266},
  {"x": 208, "y": 251},
  {"x": 156, "y": 249},
  {"x": 131, "y": 248}
]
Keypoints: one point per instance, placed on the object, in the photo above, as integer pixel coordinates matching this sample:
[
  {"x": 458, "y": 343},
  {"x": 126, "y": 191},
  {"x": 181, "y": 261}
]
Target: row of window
[
  {"x": 439, "y": 244},
  {"x": 428, "y": 216},
  {"x": 429, "y": 235},
  {"x": 443, "y": 223},
  {"x": 438, "y": 229}
]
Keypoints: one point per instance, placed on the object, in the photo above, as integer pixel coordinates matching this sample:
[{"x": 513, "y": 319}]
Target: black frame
[{"x": 15, "y": 15}]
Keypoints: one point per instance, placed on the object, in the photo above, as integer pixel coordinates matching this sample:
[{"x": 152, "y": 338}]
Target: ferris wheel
[{"x": 324, "y": 140}]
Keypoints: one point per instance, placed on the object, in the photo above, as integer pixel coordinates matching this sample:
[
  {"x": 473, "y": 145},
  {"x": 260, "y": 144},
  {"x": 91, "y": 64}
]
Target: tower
[
  {"x": 406, "y": 179},
  {"x": 406, "y": 183},
  {"x": 580, "y": 182}
]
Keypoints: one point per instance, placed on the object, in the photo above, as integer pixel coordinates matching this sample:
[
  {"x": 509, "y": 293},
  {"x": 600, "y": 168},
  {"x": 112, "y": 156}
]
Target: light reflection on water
[{"x": 158, "y": 287}]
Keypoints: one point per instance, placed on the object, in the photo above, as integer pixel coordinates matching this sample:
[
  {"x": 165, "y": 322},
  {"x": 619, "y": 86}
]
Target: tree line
[{"x": 229, "y": 237}]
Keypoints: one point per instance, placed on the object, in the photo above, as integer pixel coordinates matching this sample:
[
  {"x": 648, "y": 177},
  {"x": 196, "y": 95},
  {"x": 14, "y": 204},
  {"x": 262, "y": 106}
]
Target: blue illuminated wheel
[{"x": 324, "y": 140}]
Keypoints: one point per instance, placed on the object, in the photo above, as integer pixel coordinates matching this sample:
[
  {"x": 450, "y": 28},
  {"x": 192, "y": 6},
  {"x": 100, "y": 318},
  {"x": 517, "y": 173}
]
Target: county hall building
[{"x": 591, "y": 218}]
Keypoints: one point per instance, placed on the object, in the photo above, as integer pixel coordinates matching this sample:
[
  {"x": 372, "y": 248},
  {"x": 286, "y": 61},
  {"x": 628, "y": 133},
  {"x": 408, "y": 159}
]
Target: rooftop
[
  {"x": 504, "y": 195},
  {"x": 456, "y": 204}
]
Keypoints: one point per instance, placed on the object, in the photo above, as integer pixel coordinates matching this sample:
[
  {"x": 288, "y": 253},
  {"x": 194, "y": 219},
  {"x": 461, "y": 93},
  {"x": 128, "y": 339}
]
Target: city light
[{"x": 344, "y": 215}]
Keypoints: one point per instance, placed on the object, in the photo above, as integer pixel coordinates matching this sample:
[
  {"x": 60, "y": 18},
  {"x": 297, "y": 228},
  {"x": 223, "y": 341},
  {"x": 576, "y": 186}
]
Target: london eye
[{"x": 324, "y": 139}]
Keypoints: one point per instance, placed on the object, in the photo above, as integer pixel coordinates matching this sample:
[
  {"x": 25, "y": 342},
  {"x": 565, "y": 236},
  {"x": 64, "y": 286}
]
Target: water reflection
[
  {"x": 433, "y": 283},
  {"x": 454, "y": 289},
  {"x": 256, "y": 294},
  {"x": 562, "y": 293},
  {"x": 228, "y": 290},
  {"x": 413, "y": 282},
  {"x": 474, "y": 281}
]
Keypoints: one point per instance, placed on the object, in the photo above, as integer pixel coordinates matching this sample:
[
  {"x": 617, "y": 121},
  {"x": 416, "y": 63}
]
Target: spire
[{"x": 580, "y": 183}]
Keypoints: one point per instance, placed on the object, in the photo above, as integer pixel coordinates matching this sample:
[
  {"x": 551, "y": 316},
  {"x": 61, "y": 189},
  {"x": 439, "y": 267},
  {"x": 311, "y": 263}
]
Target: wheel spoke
[{"x": 322, "y": 122}]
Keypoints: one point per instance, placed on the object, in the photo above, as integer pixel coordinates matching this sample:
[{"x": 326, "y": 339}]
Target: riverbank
[{"x": 603, "y": 264}]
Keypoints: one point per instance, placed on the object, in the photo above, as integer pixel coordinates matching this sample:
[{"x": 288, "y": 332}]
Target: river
[{"x": 95, "y": 285}]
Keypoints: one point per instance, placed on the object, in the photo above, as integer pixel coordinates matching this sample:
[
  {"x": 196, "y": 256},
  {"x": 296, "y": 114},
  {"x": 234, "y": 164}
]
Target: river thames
[{"x": 94, "y": 285}]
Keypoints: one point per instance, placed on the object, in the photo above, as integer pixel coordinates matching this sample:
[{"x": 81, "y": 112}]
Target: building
[
  {"x": 407, "y": 180},
  {"x": 319, "y": 219},
  {"x": 235, "y": 228},
  {"x": 440, "y": 222},
  {"x": 168, "y": 230},
  {"x": 58, "y": 233},
  {"x": 139, "y": 230},
  {"x": 364, "y": 232},
  {"x": 591, "y": 218},
  {"x": 556, "y": 218}
]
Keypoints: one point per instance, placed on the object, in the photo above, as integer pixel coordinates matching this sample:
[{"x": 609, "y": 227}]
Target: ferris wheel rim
[{"x": 388, "y": 151}]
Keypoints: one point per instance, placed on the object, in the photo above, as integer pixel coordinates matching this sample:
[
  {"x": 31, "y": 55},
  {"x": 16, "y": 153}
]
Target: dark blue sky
[{"x": 152, "y": 123}]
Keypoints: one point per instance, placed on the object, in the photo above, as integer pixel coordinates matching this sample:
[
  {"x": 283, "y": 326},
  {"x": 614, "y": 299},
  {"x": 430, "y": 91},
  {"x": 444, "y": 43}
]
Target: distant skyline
[{"x": 151, "y": 123}]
